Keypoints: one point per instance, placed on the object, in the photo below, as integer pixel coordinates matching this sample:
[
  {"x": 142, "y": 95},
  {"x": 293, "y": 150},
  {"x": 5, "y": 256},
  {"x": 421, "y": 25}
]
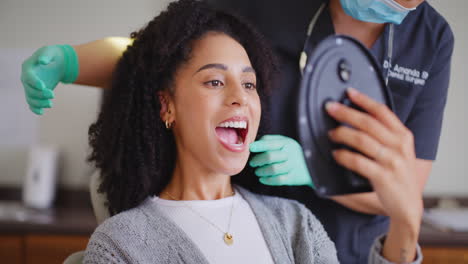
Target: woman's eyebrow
[
  {"x": 213, "y": 65},
  {"x": 223, "y": 67},
  {"x": 248, "y": 69}
]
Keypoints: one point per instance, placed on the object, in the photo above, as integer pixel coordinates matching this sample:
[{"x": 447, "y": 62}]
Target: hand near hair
[
  {"x": 389, "y": 164},
  {"x": 43, "y": 70}
]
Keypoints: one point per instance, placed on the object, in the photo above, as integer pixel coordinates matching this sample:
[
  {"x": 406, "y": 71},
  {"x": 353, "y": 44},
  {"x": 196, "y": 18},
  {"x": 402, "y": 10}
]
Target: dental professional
[{"x": 411, "y": 41}]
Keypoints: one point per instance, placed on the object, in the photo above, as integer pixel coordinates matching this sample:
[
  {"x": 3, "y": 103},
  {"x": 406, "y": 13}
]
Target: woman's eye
[
  {"x": 250, "y": 85},
  {"x": 214, "y": 83}
]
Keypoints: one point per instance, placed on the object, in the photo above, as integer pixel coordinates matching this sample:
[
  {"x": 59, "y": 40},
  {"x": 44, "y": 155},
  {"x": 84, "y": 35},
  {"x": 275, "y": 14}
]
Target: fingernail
[
  {"x": 331, "y": 106},
  {"x": 352, "y": 91}
]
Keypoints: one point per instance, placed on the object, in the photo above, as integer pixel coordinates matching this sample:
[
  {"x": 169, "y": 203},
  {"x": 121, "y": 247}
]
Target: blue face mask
[{"x": 376, "y": 11}]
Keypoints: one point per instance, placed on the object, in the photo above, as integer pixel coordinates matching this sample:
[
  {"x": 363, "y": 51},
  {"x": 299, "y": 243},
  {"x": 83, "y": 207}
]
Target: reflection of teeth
[{"x": 234, "y": 124}]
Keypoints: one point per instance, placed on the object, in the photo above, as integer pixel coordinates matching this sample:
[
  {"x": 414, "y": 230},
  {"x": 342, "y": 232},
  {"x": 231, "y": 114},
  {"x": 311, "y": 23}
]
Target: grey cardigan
[{"x": 145, "y": 235}]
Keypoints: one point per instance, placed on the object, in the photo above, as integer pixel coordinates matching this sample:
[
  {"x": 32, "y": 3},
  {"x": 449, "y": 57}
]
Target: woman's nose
[{"x": 236, "y": 95}]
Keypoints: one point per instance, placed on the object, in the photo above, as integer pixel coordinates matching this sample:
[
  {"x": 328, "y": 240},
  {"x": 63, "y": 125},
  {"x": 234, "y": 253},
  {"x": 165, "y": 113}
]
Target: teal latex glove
[
  {"x": 41, "y": 73},
  {"x": 280, "y": 161}
]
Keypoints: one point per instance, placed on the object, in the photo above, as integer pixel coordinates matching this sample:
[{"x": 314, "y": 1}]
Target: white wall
[
  {"x": 29, "y": 24},
  {"x": 450, "y": 172}
]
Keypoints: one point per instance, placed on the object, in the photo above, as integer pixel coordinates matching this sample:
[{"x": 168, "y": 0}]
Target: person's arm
[
  {"x": 369, "y": 203},
  {"x": 388, "y": 161},
  {"x": 101, "y": 248},
  {"x": 400, "y": 242},
  {"x": 427, "y": 113},
  {"x": 402, "y": 236},
  {"x": 88, "y": 64},
  {"x": 97, "y": 60}
]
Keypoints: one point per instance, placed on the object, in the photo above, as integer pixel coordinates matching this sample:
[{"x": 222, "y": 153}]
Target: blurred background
[{"x": 26, "y": 25}]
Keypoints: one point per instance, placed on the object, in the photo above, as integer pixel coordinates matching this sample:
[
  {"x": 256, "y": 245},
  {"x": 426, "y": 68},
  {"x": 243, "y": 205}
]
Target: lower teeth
[{"x": 239, "y": 141}]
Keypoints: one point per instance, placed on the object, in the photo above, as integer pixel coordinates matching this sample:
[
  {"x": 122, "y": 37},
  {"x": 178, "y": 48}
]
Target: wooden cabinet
[
  {"x": 37, "y": 249},
  {"x": 11, "y": 249},
  {"x": 45, "y": 236},
  {"x": 444, "y": 255},
  {"x": 50, "y": 249}
]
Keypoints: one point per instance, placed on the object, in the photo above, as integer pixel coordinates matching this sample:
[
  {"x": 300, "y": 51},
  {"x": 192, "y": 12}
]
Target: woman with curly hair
[{"x": 184, "y": 106}]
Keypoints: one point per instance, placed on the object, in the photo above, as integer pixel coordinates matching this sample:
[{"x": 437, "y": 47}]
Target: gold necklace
[{"x": 227, "y": 237}]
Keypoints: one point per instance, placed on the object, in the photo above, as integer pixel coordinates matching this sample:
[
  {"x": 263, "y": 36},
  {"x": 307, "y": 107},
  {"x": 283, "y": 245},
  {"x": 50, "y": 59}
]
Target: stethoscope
[{"x": 313, "y": 21}]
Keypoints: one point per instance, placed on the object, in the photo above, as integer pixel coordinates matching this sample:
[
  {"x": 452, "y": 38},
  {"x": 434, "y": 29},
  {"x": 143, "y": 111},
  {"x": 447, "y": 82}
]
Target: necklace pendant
[{"x": 228, "y": 239}]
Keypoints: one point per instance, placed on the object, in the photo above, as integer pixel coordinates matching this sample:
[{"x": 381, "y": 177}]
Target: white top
[{"x": 249, "y": 244}]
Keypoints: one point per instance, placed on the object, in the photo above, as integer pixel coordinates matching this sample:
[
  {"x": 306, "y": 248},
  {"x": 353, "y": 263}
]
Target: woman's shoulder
[
  {"x": 138, "y": 235},
  {"x": 427, "y": 19},
  {"x": 119, "y": 238},
  {"x": 295, "y": 225},
  {"x": 133, "y": 225},
  {"x": 283, "y": 209},
  {"x": 274, "y": 202}
]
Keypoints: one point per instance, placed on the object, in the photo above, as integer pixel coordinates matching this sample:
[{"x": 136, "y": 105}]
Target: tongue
[{"x": 228, "y": 135}]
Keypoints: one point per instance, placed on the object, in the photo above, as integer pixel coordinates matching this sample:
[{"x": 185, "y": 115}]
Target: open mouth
[{"x": 232, "y": 133}]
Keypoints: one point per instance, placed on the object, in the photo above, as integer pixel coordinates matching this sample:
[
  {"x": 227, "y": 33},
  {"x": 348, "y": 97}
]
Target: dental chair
[{"x": 100, "y": 211}]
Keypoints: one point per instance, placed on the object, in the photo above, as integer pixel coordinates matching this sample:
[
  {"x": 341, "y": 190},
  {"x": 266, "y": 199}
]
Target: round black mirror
[{"x": 338, "y": 62}]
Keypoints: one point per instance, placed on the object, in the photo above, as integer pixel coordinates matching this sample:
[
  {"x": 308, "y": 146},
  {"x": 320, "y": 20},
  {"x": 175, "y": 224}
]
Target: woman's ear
[{"x": 167, "y": 107}]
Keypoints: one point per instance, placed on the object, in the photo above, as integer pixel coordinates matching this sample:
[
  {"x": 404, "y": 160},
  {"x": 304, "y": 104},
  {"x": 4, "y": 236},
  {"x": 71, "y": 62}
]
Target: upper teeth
[{"x": 235, "y": 124}]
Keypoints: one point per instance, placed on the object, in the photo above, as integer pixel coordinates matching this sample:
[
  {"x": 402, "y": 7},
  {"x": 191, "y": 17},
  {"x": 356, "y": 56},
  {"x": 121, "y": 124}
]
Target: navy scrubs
[{"x": 418, "y": 81}]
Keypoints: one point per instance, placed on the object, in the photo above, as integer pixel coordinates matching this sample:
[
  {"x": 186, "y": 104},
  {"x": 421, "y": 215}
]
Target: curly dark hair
[{"x": 131, "y": 147}]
